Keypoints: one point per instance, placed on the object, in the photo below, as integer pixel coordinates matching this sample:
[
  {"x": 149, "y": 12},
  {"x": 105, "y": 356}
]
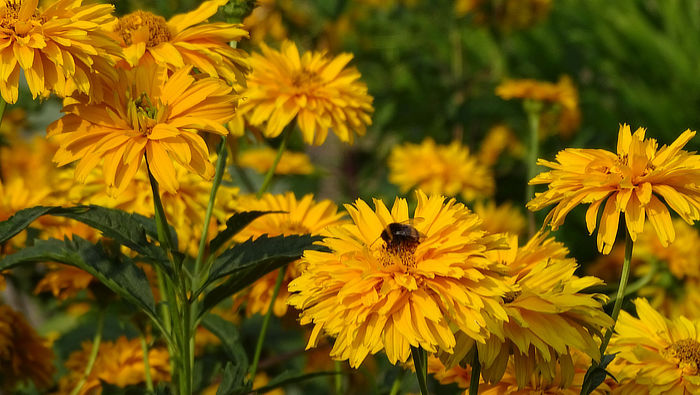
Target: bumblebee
[{"x": 397, "y": 235}]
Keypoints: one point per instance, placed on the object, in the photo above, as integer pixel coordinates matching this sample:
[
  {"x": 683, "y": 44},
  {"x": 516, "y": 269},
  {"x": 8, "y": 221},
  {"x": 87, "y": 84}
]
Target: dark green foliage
[{"x": 235, "y": 224}]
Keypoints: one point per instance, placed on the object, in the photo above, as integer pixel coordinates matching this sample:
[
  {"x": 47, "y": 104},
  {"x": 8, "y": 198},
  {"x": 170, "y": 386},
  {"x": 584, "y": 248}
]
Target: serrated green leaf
[
  {"x": 233, "y": 381},
  {"x": 20, "y": 221},
  {"x": 123, "y": 277},
  {"x": 288, "y": 377},
  {"x": 235, "y": 224},
  {"x": 227, "y": 332}
]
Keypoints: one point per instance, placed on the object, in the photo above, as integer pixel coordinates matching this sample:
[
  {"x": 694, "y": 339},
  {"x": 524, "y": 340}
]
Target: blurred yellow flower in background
[
  {"x": 505, "y": 14},
  {"x": 261, "y": 159},
  {"x": 498, "y": 139},
  {"x": 318, "y": 91},
  {"x": 24, "y": 356},
  {"x": 374, "y": 292},
  {"x": 63, "y": 281},
  {"x": 655, "y": 355},
  {"x": 302, "y": 216},
  {"x": 549, "y": 314},
  {"x": 629, "y": 181},
  {"x": 118, "y": 362},
  {"x": 502, "y": 218},
  {"x": 151, "y": 114},
  {"x": 185, "y": 40},
  {"x": 439, "y": 169},
  {"x": 60, "y": 48}
]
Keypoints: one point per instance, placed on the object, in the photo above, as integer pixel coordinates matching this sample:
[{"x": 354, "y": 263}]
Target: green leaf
[
  {"x": 596, "y": 374},
  {"x": 120, "y": 275},
  {"x": 233, "y": 381},
  {"x": 235, "y": 224},
  {"x": 288, "y": 377},
  {"x": 126, "y": 229},
  {"x": 227, "y": 332},
  {"x": 247, "y": 262}
]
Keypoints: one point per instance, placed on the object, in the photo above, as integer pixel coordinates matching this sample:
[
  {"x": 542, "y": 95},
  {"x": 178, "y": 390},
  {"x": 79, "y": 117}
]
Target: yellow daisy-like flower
[
  {"x": 502, "y": 218},
  {"x": 321, "y": 93},
  {"x": 150, "y": 114},
  {"x": 23, "y": 354},
  {"x": 59, "y": 48},
  {"x": 656, "y": 354},
  {"x": 630, "y": 182},
  {"x": 119, "y": 363},
  {"x": 266, "y": 20},
  {"x": 390, "y": 285},
  {"x": 185, "y": 40},
  {"x": 548, "y": 314},
  {"x": 64, "y": 281},
  {"x": 498, "y": 139},
  {"x": 439, "y": 169},
  {"x": 261, "y": 160},
  {"x": 682, "y": 256},
  {"x": 303, "y": 216}
]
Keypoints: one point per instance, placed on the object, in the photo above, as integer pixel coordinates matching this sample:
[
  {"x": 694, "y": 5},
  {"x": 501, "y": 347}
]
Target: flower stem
[
  {"x": 396, "y": 386},
  {"x": 476, "y": 373},
  {"x": 640, "y": 283},
  {"x": 164, "y": 236},
  {"x": 271, "y": 172},
  {"x": 266, "y": 322},
  {"x": 338, "y": 379},
  {"x": 93, "y": 351},
  {"x": 533, "y": 109},
  {"x": 146, "y": 365},
  {"x": 420, "y": 362},
  {"x": 629, "y": 244},
  {"x": 220, "y": 169}
]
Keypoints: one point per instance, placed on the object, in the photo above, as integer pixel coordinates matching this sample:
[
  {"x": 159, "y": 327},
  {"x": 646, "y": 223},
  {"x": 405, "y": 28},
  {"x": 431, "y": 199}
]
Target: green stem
[
  {"x": 220, "y": 170},
  {"x": 420, "y": 362},
  {"x": 271, "y": 172},
  {"x": 476, "y": 373},
  {"x": 396, "y": 386},
  {"x": 629, "y": 244},
  {"x": 640, "y": 283},
  {"x": 266, "y": 322},
  {"x": 338, "y": 379},
  {"x": 93, "y": 351},
  {"x": 164, "y": 236},
  {"x": 187, "y": 345},
  {"x": 532, "y": 109},
  {"x": 146, "y": 364}
]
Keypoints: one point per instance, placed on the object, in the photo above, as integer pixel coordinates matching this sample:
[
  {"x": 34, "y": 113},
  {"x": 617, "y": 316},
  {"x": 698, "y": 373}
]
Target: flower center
[
  {"x": 511, "y": 296},
  {"x": 402, "y": 253},
  {"x": 686, "y": 353},
  {"x": 305, "y": 79},
  {"x": 144, "y": 114},
  {"x": 293, "y": 228},
  {"x": 15, "y": 20},
  {"x": 145, "y": 23}
]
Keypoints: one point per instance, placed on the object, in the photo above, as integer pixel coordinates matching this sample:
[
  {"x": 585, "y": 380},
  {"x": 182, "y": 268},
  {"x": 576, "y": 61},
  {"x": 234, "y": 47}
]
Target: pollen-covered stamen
[
  {"x": 143, "y": 23},
  {"x": 399, "y": 253},
  {"x": 510, "y": 296},
  {"x": 306, "y": 79},
  {"x": 686, "y": 353},
  {"x": 16, "y": 17},
  {"x": 294, "y": 228}
]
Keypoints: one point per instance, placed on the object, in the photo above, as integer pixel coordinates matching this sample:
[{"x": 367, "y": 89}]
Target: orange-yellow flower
[
  {"x": 656, "y": 355},
  {"x": 375, "y": 294},
  {"x": 59, "y": 48},
  {"x": 150, "y": 114},
  {"x": 261, "y": 160},
  {"x": 23, "y": 354},
  {"x": 440, "y": 169},
  {"x": 185, "y": 40},
  {"x": 321, "y": 93},
  {"x": 631, "y": 181},
  {"x": 504, "y": 218}
]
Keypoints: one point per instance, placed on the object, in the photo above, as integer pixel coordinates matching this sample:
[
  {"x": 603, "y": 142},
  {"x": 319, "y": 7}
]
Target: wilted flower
[
  {"x": 321, "y": 93},
  {"x": 59, "y": 48},
  {"x": 184, "y": 40},
  {"x": 656, "y": 355},
  {"x": 150, "y": 114},
  {"x": 439, "y": 169},
  {"x": 379, "y": 290},
  {"x": 298, "y": 217},
  {"x": 630, "y": 182}
]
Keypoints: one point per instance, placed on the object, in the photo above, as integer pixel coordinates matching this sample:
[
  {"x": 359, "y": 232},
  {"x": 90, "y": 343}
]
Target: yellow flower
[
  {"x": 149, "y": 114},
  {"x": 498, "y": 139},
  {"x": 266, "y": 20},
  {"x": 118, "y": 362},
  {"x": 548, "y": 314},
  {"x": 656, "y": 354},
  {"x": 185, "y": 40},
  {"x": 59, "y": 48},
  {"x": 320, "y": 92},
  {"x": 439, "y": 169},
  {"x": 261, "y": 160},
  {"x": 682, "y": 256},
  {"x": 23, "y": 354},
  {"x": 64, "y": 281},
  {"x": 504, "y": 218},
  {"x": 415, "y": 286},
  {"x": 631, "y": 182},
  {"x": 304, "y": 216}
]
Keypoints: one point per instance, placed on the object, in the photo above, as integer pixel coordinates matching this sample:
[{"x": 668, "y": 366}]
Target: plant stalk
[
  {"x": 271, "y": 172},
  {"x": 476, "y": 373},
  {"x": 97, "y": 339},
  {"x": 420, "y": 362},
  {"x": 266, "y": 322},
  {"x": 533, "y": 109},
  {"x": 146, "y": 364},
  {"x": 396, "y": 385}
]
